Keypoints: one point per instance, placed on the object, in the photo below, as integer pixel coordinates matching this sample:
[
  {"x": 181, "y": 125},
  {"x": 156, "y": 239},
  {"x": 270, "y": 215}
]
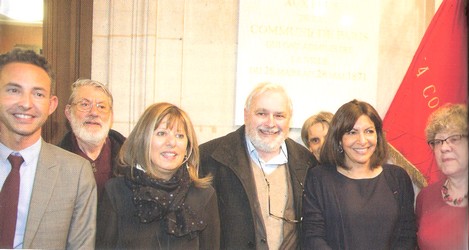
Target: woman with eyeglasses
[
  {"x": 353, "y": 200},
  {"x": 441, "y": 208},
  {"x": 160, "y": 203}
]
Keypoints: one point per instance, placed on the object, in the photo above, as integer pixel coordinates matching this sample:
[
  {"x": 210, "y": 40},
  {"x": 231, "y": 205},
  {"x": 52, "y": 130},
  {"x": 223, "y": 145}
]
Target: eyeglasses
[
  {"x": 86, "y": 106},
  {"x": 450, "y": 140},
  {"x": 268, "y": 204},
  {"x": 268, "y": 199}
]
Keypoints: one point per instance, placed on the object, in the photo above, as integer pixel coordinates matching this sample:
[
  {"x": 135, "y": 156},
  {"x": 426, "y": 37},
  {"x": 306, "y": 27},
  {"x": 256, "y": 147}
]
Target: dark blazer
[
  {"x": 323, "y": 227},
  {"x": 118, "y": 227},
  {"x": 62, "y": 212},
  {"x": 227, "y": 159}
]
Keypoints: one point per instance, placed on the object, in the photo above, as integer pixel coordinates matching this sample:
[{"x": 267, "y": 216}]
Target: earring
[{"x": 341, "y": 149}]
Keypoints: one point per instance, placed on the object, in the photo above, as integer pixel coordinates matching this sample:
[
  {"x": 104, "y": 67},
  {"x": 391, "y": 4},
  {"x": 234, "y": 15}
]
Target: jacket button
[
  {"x": 251, "y": 244},
  {"x": 264, "y": 241}
]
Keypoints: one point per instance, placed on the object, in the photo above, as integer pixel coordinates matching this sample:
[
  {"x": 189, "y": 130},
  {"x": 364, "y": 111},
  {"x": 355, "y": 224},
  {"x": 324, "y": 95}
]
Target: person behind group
[
  {"x": 353, "y": 200},
  {"x": 314, "y": 131},
  {"x": 258, "y": 175},
  {"x": 441, "y": 207},
  {"x": 90, "y": 115},
  {"x": 160, "y": 202},
  {"x": 48, "y": 196}
]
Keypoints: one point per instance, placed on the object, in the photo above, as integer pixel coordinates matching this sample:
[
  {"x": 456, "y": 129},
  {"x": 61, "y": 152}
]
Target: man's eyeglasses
[
  {"x": 450, "y": 140},
  {"x": 86, "y": 106},
  {"x": 268, "y": 204},
  {"x": 268, "y": 197}
]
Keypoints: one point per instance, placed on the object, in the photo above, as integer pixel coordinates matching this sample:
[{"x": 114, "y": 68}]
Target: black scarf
[{"x": 157, "y": 199}]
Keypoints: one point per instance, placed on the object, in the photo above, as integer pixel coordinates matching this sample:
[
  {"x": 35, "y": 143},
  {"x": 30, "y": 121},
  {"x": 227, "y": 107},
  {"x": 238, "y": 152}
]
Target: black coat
[
  {"x": 118, "y": 227},
  {"x": 227, "y": 159}
]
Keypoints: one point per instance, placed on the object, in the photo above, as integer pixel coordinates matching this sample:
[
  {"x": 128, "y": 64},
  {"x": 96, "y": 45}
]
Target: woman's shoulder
[
  {"x": 394, "y": 169},
  {"x": 432, "y": 188},
  {"x": 429, "y": 196},
  {"x": 200, "y": 193},
  {"x": 201, "y": 199},
  {"x": 205, "y": 190},
  {"x": 397, "y": 178},
  {"x": 116, "y": 184},
  {"x": 323, "y": 169},
  {"x": 322, "y": 173}
]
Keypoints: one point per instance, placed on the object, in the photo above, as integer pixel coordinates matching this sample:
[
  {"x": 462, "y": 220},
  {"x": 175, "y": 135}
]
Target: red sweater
[{"x": 440, "y": 226}]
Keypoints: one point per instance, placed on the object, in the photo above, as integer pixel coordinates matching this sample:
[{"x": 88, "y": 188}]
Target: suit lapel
[{"x": 44, "y": 183}]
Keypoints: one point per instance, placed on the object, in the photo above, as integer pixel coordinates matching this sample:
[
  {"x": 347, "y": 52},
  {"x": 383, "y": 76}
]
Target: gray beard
[
  {"x": 83, "y": 134},
  {"x": 261, "y": 145}
]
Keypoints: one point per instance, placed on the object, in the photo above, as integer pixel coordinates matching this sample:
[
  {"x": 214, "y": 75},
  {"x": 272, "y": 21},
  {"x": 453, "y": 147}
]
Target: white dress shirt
[
  {"x": 27, "y": 174},
  {"x": 272, "y": 164}
]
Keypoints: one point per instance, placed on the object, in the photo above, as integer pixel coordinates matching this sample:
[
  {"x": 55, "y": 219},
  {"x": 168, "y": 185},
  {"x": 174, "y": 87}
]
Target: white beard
[
  {"x": 262, "y": 145},
  {"x": 80, "y": 131}
]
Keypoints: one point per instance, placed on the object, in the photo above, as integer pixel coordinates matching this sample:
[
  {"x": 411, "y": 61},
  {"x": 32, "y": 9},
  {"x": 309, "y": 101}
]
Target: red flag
[{"x": 436, "y": 75}]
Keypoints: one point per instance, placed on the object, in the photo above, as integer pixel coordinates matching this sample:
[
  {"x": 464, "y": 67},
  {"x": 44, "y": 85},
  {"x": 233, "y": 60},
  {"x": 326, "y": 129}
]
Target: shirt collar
[
  {"x": 28, "y": 154},
  {"x": 281, "y": 158}
]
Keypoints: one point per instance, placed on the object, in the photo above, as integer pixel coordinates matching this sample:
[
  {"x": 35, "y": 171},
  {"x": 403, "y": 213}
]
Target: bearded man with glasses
[{"x": 90, "y": 116}]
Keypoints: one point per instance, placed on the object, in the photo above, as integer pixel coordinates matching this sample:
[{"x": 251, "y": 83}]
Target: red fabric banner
[{"x": 436, "y": 75}]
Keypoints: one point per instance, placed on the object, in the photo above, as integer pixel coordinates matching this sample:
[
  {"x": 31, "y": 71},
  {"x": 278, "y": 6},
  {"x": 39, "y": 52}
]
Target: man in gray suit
[{"x": 56, "y": 205}]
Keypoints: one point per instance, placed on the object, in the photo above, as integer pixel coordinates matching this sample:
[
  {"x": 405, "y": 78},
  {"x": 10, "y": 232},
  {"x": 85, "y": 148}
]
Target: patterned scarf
[{"x": 157, "y": 199}]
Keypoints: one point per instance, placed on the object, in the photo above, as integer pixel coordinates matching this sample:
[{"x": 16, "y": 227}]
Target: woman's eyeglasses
[{"x": 450, "y": 140}]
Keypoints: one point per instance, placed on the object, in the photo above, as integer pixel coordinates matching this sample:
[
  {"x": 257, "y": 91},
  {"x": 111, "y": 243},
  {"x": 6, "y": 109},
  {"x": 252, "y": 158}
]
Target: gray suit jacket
[{"x": 62, "y": 213}]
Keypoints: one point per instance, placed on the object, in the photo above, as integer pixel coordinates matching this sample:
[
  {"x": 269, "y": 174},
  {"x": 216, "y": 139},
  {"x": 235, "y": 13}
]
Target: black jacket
[
  {"x": 118, "y": 227},
  {"x": 227, "y": 159}
]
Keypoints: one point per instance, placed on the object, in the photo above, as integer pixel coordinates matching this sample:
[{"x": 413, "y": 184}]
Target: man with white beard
[
  {"x": 258, "y": 173},
  {"x": 90, "y": 115}
]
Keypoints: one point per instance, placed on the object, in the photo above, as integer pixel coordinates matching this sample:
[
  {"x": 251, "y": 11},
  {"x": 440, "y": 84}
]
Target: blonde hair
[
  {"x": 322, "y": 117},
  {"x": 136, "y": 149}
]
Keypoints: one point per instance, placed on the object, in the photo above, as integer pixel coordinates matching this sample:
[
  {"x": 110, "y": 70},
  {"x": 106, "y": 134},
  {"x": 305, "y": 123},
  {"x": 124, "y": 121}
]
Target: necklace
[{"x": 448, "y": 198}]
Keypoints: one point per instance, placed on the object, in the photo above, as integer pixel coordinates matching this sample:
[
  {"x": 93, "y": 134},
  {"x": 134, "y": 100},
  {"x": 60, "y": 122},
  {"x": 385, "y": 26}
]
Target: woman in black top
[
  {"x": 160, "y": 203},
  {"x": 353, "y": 200}
]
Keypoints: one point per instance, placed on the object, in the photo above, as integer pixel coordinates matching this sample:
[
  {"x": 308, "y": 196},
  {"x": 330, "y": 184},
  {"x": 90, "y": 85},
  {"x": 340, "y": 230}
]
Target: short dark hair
[
  {"x": 342, "y": 122},
  {"x": 28, "y": 56}
]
